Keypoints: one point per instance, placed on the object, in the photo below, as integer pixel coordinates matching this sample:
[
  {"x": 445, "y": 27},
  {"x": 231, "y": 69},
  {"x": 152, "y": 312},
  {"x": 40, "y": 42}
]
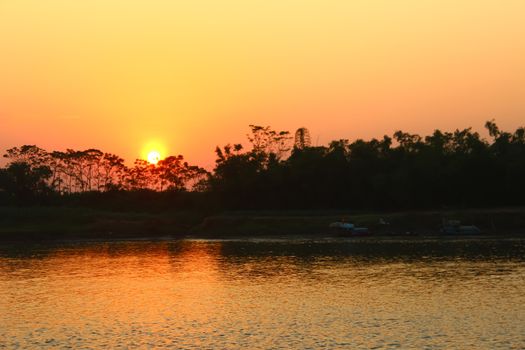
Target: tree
[
  {"x": 24, "y": 182},
  {"x": 266, "y": 141}
]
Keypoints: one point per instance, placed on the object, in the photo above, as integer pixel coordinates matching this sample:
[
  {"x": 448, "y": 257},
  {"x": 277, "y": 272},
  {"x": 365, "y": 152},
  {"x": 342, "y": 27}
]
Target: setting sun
[
  {"x": 154, "y": 150},
  {"x": 153, "y": 157}
]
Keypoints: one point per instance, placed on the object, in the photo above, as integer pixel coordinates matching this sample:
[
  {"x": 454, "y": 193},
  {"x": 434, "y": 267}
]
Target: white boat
[
  {"x": 452, "y": 227},
  {"x": 348, "y": 228}
]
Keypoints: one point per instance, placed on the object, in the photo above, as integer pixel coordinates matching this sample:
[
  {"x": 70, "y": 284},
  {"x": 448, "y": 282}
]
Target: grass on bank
[
  {"x": 79, "y": 221},
  {"x": 63, "y": 222}
]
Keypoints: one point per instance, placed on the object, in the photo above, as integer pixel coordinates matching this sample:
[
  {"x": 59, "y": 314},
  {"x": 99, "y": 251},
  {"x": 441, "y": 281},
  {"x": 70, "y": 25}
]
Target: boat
[
  {"x": 454, "y": 227},
  {"x": 348, "y": 229}
]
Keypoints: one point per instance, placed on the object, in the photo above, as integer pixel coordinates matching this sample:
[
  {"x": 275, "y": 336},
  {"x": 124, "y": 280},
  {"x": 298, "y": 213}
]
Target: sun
[
  {"x": 153, "y": 151},
  {"x": 153, "y": 157}
]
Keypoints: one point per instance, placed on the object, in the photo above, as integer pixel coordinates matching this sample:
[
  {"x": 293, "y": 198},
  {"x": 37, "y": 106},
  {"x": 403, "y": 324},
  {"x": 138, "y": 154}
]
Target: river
[{"x": 264, "y": 294}]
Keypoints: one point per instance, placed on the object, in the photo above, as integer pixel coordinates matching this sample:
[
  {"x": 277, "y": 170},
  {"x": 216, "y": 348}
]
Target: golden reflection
[{"x": 195, "y": 294}]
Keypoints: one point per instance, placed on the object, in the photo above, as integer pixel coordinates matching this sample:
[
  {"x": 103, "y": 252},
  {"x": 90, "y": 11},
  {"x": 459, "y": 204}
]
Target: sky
[{"x": 128, "y": 76}]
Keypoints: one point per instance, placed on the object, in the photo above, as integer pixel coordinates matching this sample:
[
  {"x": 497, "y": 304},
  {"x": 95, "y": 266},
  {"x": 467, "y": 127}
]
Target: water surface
[{"x": 439, "y": 294}]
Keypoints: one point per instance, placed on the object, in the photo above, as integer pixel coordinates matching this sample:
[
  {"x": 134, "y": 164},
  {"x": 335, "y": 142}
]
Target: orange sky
[{"x": 191, "y": 74}]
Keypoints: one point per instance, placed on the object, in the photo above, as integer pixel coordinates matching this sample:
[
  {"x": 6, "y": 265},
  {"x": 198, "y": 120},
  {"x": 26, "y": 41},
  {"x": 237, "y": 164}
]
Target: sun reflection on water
[{"x": 195, "y": 294}]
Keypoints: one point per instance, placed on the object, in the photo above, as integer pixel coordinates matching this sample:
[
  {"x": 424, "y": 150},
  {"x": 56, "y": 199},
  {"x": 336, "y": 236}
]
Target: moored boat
[
  {"x": 345, "y": 228},
  {"x": 453, "y": 227}
]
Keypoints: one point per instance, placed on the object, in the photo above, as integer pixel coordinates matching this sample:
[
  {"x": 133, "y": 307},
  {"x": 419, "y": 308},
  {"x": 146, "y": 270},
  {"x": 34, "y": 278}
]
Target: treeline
[
  {"x": 280, "y": 171},
  {"x": 33, "y": 172},
  {"x": 403, "y": 171}
]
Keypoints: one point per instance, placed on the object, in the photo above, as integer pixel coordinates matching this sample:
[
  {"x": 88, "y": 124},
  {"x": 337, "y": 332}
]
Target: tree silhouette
[{"x": 457, "y": 168}]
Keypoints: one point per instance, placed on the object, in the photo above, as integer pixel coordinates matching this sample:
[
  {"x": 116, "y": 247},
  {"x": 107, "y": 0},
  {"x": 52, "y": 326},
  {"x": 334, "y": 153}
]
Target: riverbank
[
  {"x": 490, "y": 221},
  {"x": 43, "y": 223}
]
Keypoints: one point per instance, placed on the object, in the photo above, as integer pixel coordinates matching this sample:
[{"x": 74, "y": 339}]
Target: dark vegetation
[{"x": 456, "y": 169}]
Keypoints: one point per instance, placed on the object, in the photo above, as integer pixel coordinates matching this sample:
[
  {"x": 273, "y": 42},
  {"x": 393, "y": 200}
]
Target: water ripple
[{"x": 264, "y": 294}]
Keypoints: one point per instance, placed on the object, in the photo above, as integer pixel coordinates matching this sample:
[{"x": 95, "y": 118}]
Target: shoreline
[
  {"x": 34, "y": 224},
  {"x": 72, "y": 239}
]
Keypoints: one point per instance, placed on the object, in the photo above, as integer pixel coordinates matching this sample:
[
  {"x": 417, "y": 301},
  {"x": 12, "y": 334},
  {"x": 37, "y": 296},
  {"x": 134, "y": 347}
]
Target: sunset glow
[
  {"x": 109, "y": 74},
  {"x": 255, "y": 174}
]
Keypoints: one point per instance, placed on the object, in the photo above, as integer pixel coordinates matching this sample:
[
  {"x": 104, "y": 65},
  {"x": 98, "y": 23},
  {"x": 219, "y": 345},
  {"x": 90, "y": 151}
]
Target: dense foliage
[
  {"x": 33, "y": 173},
  {"x": 403, "y": 171}
]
